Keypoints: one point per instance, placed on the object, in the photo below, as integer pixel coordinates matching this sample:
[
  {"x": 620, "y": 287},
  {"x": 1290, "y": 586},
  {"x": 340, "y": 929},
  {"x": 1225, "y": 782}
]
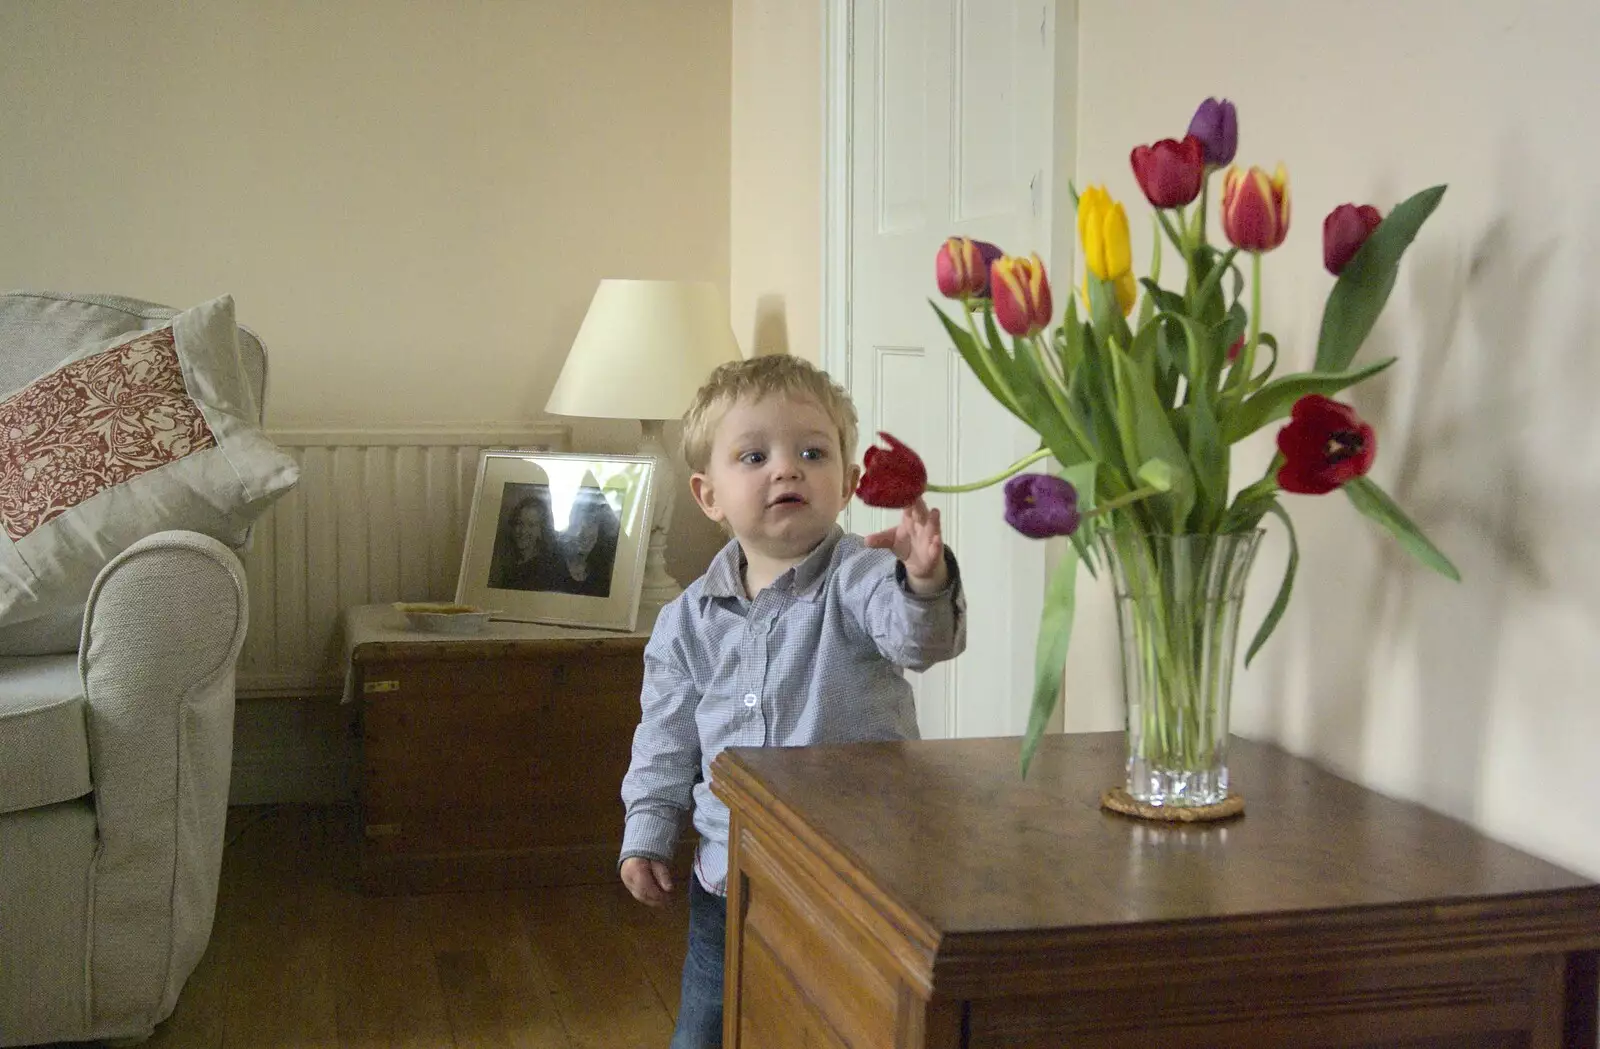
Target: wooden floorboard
[{"x": 299, "y": 958}]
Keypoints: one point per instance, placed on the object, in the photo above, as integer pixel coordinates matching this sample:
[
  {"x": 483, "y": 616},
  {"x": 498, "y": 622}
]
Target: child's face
[{"x": 776, "y": 477}]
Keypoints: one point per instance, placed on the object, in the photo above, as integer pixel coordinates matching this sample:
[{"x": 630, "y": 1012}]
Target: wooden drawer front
[
  {"x": 498, "y": 755},
  {"x": 801, "y": 948},
  {"x": 774, "y": 1014},
  {"x": 1476, "y": 1003}
]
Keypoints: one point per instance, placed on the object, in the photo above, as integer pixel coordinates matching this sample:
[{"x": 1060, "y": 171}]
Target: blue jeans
[{"x": 700, "y": 999}]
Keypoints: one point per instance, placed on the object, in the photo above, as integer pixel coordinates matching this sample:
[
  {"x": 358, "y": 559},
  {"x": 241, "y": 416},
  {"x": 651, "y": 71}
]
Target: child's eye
[
  {"x": 753, "y": 458},
  {"x": 815, "y": 455}
]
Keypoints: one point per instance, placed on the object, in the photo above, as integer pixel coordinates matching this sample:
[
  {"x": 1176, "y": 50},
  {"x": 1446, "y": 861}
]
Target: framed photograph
[{"x": 558, "y": 537}]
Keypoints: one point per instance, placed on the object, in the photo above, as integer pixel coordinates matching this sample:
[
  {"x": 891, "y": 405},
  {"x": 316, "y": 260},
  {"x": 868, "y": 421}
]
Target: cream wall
[
  {"x": 410, "y": 202},
  {"x": 1478, "y": 698},
  {"x": 775, "y": 224}
]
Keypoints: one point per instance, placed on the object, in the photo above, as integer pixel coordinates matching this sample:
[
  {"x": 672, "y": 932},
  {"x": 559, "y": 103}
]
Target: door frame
[{"x": 838, "y": 98}]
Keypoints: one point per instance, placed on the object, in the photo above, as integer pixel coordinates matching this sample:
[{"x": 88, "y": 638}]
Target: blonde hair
[{"x": 754, "y": 380}]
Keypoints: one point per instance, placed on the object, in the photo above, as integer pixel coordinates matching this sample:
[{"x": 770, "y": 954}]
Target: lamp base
[{"x": 659, "y": 587}]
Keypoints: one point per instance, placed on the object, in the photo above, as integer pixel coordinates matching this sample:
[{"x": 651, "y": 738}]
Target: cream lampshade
[{"x": 644, "y": 348}]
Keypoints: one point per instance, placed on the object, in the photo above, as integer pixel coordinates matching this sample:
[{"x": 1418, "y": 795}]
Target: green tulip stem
[
  {"x": 1120, "y": 501},
  {"x": 1155, "y": 252},
  {"x": 1248, "y": 359},
  {"x": 1015, "y": 467},
  {"x": 1172, "y": 234}
]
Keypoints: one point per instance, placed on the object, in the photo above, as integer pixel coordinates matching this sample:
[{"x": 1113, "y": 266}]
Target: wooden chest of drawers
[{"x": 921, "y": 895}]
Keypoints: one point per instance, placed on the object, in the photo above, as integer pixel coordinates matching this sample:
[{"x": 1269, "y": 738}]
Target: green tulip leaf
[
  {"x": 1158, "y": 474},
  {"x": 982, "y": 364},
  {"x": 1281, "y": 602},
  {"x": 1099, "y": 406},
  {"x": 1206, "y": 456},
  {"x": 1047, "y": 409},
  {"x": 1170, "y": 301},
  {"x": 1361, "y": 291},
  {"x": 1149, "y": 429},
  {"x": 1213, "y": 279},
  {"x": 1260, "y": 378},
  {"x": 1275, "y": 400},
  {"x": 1082, "y": 479},
  {"x": 1373, "y": 501},
  {"x": 1050, "y": 654}
]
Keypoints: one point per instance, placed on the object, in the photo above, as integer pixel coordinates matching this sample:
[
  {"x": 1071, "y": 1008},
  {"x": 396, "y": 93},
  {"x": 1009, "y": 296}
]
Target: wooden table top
[{"x": 948, "y": 833}]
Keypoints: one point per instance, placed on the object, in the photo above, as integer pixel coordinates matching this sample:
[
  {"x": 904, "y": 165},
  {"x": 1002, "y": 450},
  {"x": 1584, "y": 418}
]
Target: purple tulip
[
  {"x": 1216, "y": 125},
  {"x": 1040, "y": 506}
]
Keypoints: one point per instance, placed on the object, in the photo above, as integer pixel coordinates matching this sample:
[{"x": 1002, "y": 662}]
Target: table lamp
[{"x": 644, "y": 348}]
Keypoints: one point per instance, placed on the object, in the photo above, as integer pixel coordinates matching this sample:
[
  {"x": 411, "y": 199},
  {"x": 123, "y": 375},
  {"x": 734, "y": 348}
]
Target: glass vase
[{"x": 1178, "y": 599}]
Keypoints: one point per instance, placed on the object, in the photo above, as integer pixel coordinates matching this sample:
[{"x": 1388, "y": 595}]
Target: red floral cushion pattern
[{"x": 93, "y": 424}]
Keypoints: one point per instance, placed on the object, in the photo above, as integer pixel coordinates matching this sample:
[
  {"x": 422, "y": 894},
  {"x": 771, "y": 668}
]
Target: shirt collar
[{"x": 725, "y": 575}]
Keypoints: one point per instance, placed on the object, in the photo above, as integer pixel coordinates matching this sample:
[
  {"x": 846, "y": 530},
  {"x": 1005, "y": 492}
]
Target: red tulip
[
  {"x": 1170, "y": 172},
  {"x": 1346, "y": 228},
  {"x": 1021, "y": 292},
  {"x": 893, "y": 477},
  {"x": 1236, "y": 349},
  {"x": 962, "y": 267},
  {"x": 1324, "y": 445},
  {"x": 1255, "y": 208}
]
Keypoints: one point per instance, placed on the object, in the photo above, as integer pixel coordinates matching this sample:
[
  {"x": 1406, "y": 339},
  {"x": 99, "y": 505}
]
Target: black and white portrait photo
[
  {"x": 535, "y": 551},
  {"x": 558, "y": 537},
  {"x": 525, "y": 551},
  {"x": 587, "y": 546}
]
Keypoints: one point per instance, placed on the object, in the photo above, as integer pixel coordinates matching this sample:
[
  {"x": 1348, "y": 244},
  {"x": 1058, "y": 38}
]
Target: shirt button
[{"x": 750, "y": 699}]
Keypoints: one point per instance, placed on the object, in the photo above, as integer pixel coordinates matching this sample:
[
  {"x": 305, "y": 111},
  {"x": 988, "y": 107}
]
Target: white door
[{"x": 949, "y": 134}]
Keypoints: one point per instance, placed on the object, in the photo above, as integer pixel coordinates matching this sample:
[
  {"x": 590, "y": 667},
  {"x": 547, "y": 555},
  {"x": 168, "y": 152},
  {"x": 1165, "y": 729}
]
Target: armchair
[{"x": 116, "y": 734}]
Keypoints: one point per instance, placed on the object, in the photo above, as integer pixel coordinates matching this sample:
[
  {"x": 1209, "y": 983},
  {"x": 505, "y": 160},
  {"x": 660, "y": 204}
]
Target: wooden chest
[{"x": 494, "y": 762}]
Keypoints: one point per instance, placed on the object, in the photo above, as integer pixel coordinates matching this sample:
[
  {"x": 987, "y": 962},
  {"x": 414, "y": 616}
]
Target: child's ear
[
  {"x": 705, "y": 496},
  {"x": 852, "y": 477}
]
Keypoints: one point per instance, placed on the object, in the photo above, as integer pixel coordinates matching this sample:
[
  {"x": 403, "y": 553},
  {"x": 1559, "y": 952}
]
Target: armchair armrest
[{"x": 163, "y": 627}]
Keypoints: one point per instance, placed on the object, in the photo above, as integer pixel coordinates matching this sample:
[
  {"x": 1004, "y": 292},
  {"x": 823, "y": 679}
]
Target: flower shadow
[{"x": 1462, "y": 469}]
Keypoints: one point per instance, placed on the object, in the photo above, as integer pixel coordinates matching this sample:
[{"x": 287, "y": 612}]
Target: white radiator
[{"x": 376, "y": 517}]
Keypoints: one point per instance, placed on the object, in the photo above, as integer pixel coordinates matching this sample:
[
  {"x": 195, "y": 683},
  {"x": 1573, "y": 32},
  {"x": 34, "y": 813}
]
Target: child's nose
[{"x": 787, "y": 465}]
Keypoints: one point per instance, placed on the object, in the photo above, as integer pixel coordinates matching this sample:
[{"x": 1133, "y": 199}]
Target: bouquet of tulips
[{"x": 1140, "y": 418}]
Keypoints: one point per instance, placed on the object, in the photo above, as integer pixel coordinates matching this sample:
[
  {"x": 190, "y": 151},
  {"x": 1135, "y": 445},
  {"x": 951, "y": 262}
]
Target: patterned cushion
[{"x": 146, "y": 432}]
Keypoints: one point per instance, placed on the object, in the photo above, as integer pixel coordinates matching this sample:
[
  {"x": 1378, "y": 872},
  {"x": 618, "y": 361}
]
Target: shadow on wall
[
  {"x": 772, "y": 326},
  {"x": 1461, "y": 445}
]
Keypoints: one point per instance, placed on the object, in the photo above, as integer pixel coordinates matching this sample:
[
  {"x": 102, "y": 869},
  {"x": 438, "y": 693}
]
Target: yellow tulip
[{"x": 1103, "y": 228}]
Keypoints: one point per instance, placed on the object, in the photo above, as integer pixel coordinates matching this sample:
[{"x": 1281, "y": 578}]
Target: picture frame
[{"x": 558, "y": 537}]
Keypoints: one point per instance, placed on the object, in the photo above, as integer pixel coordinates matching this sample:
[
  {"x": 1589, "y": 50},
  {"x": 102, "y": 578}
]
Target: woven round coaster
[{"x": 1118, "y": 799}]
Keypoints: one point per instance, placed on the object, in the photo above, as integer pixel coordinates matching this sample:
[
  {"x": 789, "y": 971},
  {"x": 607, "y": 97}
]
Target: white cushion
[
  {"x": 42, "y": 732},
  {"x": 137, "y": 434}
]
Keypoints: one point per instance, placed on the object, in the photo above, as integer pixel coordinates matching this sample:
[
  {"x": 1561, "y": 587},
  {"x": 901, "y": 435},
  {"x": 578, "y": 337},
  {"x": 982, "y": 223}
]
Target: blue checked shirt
[{"x": 815, "y": 658}]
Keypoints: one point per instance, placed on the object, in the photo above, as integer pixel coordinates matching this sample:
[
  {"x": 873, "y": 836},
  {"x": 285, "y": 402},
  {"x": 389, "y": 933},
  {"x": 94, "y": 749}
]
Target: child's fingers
[
  {"x": 663, "y": 875},
  {"x": 648, "y": 893}
]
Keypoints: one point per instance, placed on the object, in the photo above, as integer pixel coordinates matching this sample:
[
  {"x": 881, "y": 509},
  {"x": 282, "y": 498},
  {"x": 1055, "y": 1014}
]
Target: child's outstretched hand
[
  {"x": 649, "y": 880},
  {"x": 919, "y": 544}
]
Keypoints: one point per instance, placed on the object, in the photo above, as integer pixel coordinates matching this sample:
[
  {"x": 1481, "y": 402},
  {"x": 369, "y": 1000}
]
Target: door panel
[{"x": 951, "y": 131}]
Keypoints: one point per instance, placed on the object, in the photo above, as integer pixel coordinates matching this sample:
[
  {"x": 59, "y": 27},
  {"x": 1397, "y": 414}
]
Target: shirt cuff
[
  {"x": 650, "y": 834},
  {"x": 952, "y": 584}
]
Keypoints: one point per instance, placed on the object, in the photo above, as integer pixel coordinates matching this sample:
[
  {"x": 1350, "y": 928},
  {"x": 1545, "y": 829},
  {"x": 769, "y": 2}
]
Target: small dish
[{"x": 444, "y": 617}]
